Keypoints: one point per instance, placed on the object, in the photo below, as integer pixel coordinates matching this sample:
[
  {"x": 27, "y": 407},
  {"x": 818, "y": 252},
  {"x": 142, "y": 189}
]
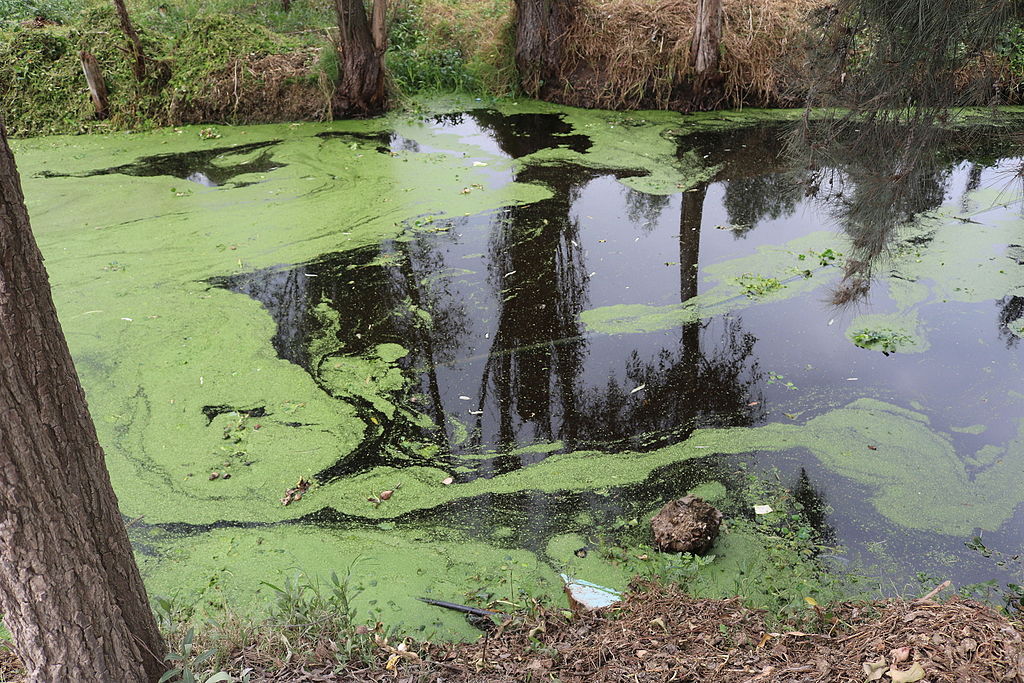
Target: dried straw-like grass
[{"x": 629, "y": 54}]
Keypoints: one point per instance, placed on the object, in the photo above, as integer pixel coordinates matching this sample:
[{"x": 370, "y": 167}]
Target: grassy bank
[
  {"x": 233, "y": 61},
  {"x": 228, "y": 61}
]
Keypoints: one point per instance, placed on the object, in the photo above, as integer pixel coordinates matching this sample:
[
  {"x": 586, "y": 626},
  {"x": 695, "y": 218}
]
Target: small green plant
[
  {"x": 756, "y": 286},
  {"x": 309, "y": 611},
  {"x": 188, "y": 665},
  {"x": 886, "y": 341},
  {"x": 776, "y": 378}
]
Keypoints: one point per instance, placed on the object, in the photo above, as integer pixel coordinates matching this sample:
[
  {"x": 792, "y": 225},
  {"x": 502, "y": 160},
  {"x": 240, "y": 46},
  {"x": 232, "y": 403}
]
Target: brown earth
[
  {"x": 661, "y": 634},
  {"x": 256, "y": 89}
]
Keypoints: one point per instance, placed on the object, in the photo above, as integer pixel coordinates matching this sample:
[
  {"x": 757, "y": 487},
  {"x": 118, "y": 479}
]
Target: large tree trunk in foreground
[
  {"x": 362, "y": 87},
  {"x": 138, "y": 58},
  {"x": 541, "y": 26},
  {"x": 70, "y": 591}
]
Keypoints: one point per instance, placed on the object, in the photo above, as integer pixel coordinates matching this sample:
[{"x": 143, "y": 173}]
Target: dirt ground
[{"x": 660, "y": 634}]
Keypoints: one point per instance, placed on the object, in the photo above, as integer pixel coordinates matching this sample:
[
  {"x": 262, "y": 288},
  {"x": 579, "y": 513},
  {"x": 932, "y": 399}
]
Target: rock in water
[{"x": 687, "y": 525}]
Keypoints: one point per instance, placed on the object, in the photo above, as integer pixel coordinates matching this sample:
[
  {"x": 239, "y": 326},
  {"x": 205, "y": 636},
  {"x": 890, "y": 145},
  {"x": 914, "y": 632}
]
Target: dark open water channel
[{"x": 490, "y": 307}]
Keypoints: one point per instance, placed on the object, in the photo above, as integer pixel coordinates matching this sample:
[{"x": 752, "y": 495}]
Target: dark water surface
[{"x": 489, "y": 307}]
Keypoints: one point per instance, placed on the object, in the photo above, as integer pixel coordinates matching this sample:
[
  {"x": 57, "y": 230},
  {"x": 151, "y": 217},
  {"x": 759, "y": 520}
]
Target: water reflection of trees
[
  {"x": 539, "y": 280},
  {"x": 751, "y": 166},
  {"x": 875, "y": 185}
]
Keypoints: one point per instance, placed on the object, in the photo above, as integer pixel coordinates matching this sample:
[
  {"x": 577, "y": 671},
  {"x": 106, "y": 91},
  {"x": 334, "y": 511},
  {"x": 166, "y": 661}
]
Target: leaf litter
[{"x": 658, "y": 633}]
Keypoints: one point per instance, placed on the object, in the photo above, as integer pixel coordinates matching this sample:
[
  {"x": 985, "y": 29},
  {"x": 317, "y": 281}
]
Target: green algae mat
[{"x": 447, "y": 354}]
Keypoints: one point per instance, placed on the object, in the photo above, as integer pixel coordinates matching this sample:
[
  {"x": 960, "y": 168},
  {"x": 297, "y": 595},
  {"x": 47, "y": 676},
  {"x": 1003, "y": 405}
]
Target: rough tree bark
[
  {"x": 138, "y": 58},
  {"x": 362, "y": 86},
  {"x": 70, "y": 591},
  {"x": 704, "y": 57},
  {"x": 541, "y": 26}
]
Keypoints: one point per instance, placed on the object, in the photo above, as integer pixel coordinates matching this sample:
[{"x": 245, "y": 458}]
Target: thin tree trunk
[
  {"x": 97, "y": 88},
  {"x": 361, "y": 89},
  {"x": 70, "y": 591},
  {"x": 707, "y": 34},
  {"x": 286, "y": 5},
  {"x": 138, "y": 57}
]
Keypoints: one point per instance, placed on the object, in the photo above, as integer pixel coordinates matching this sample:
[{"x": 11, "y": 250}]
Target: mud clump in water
[{"x": 686, "y": 525}]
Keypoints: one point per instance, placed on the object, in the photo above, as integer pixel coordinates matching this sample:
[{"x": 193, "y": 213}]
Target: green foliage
[
  {"x": 309, "y": 612},
  {"x": 187, "y": 666},
  {"x": 60, "y": 11},
  {"x": 41, "y": 85},
  {"x": 756, "y": 286},
  {"x": 43, "y": 91},
  {"x": 416, "y": 65},
  {"x": 1010, "y": 45},
  {"x": 884, "y": 340}
]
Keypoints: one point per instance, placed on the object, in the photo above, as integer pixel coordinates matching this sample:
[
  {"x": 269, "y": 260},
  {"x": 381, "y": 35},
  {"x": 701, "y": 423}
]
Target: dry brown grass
[{"x": 628, "y": 54}]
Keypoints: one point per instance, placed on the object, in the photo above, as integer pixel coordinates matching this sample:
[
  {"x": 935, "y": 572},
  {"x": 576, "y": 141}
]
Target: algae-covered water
[{"x": 534, "y": 325}]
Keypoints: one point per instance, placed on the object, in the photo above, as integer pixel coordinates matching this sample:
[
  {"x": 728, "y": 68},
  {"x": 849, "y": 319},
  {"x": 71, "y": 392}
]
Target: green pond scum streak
[{"x": 447, "y": 352}]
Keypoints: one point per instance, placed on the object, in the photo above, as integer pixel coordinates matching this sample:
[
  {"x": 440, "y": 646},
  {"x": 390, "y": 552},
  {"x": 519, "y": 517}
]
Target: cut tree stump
[{"x": 97, "y": 88}]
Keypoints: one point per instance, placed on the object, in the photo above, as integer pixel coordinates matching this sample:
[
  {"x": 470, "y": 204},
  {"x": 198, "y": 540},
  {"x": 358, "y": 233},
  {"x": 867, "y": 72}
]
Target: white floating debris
[
  {"x": 762, "y": 509},
  {"x": 511, "y": 272},
  {"x": 464, "y": 398},
  {"x": 310, "y": 274},
  {"x": 585, "y": 596},
  {"x": 852, "y": 379},
  {"x": 479, "y": 163},
  {"x": 831, "y": 321},
  {"x": 476, "y": 412},
  {"x": 592, "y": 274},
  {"x": 639, "y": 388},
  {"x": 128, "y": 319}
]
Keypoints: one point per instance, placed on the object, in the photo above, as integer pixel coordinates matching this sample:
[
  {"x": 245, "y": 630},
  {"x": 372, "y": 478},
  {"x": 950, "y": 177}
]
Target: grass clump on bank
[{"x": 201, "y": 72}]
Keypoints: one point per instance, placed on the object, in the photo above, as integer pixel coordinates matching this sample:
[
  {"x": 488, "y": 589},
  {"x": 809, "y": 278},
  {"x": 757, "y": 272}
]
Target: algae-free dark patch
[{"x": 210, "y": 167}]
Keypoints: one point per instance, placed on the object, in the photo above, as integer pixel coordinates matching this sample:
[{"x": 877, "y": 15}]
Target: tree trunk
[
  {"x": 97, "y": 88},
  {"x": 541, "y": 26},
  {"x": 286, "y": 5},
  {"x": 704, "y": 57},
  {"x": 70, "y": 591},
  {"x": 707, "y": 34},
  {"x": 362, "y": 88},
  {"x": 138, "y": 58}
]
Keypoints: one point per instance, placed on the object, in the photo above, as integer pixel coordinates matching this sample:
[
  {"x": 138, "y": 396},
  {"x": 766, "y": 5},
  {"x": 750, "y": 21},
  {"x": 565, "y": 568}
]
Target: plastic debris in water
[{"x": 585, "y": 595}]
